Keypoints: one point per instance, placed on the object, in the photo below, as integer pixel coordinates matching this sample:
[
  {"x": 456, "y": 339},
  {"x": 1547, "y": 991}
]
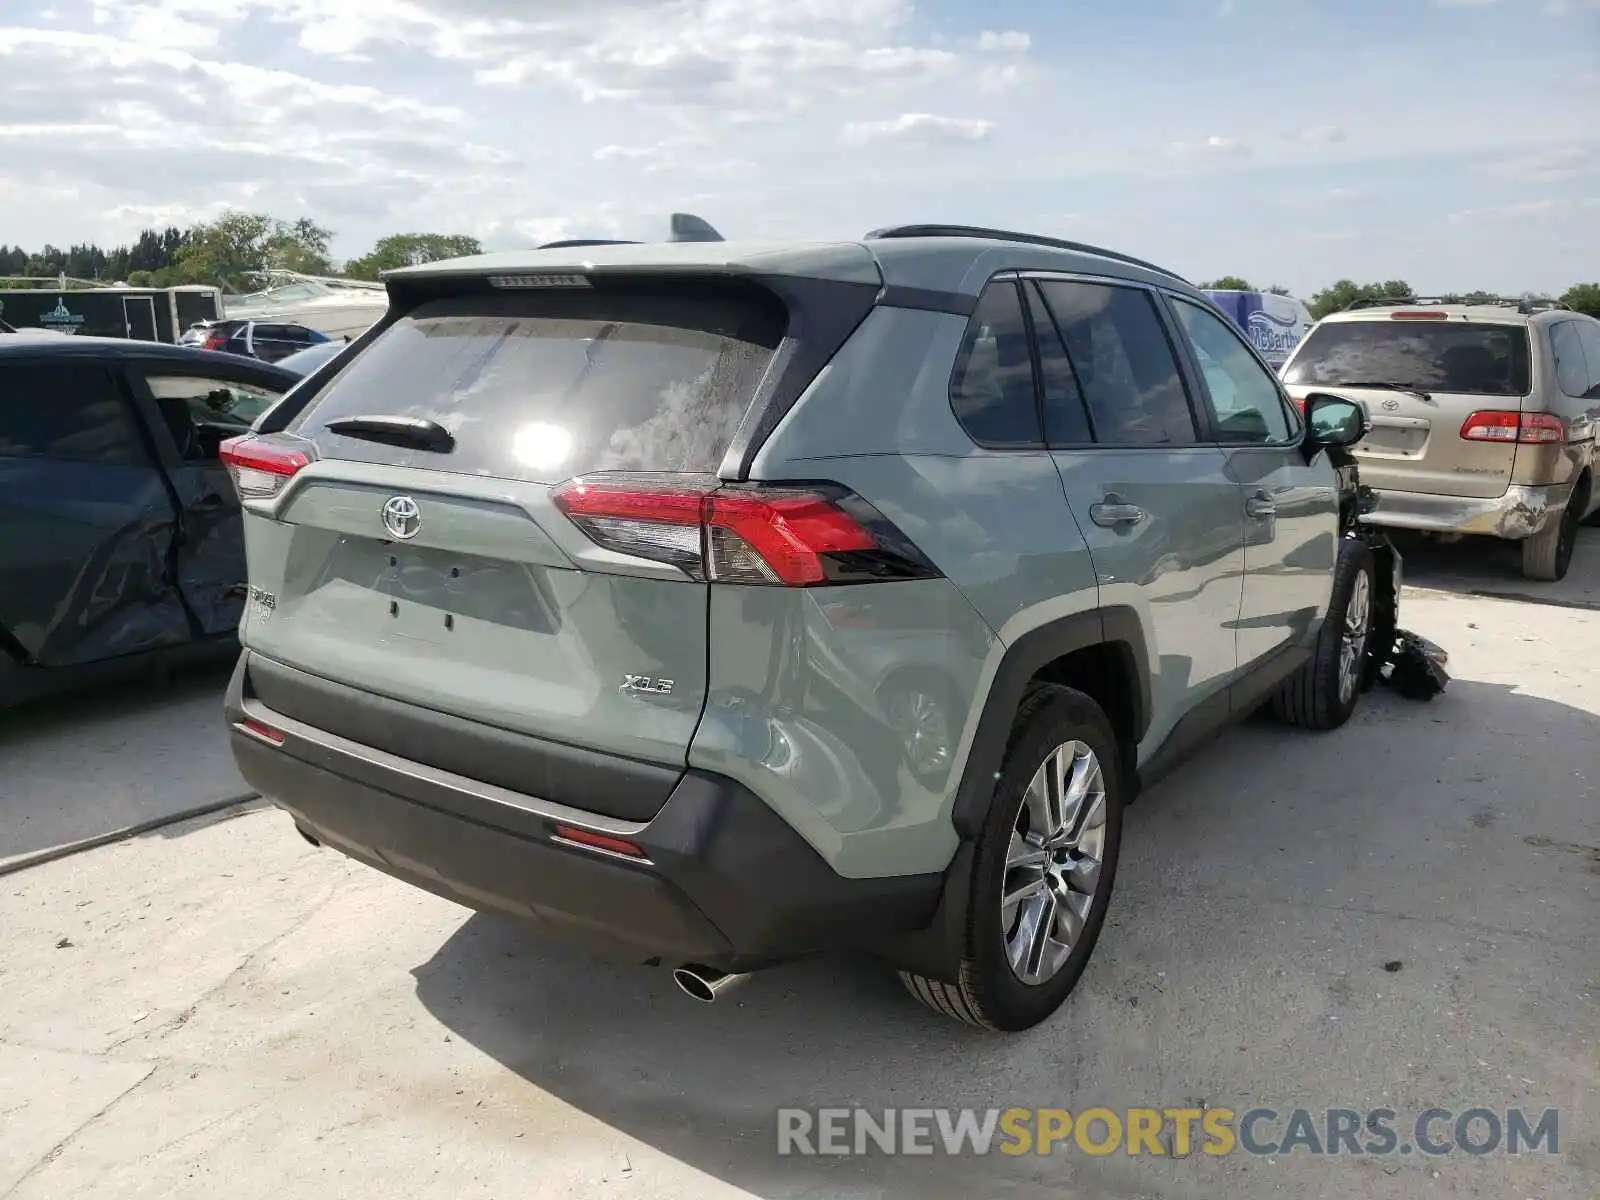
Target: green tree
[
  {"x": 238, "y": 246},
  {"x": 140, "y": 279},
  {"x": 1583, "y": 297},
  {"x": 408, "y": 250},
  {"x": 1228, "y": 283},
  {"x": 1278, "y": 289},
  {"x": 1346, "y": 292}
]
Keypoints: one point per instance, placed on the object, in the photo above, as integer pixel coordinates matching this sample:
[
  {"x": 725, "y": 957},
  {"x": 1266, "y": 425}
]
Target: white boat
[{"x": 340, "y": 308}]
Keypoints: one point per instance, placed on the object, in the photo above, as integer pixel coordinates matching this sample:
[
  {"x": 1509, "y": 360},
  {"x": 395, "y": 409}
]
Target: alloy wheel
[{"x": 1053, "y": 863}]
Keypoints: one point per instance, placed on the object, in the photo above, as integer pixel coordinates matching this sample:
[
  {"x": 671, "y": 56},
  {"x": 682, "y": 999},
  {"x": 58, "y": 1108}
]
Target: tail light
[
  {"x": 215, "y": 340},
  {"x": 784, "y": 536},
  {"x": 259, "y": 466},
  {"x": 1534, "y": 429},
  {"x": 1413, "y": 314}
]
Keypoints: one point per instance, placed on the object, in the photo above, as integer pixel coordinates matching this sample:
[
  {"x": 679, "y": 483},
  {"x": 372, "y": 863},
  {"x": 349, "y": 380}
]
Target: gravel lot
[{"x": 221, "y": 1009}]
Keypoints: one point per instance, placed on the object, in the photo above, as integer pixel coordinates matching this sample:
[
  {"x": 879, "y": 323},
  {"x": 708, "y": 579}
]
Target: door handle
[
  {"x": 1111, "y": 513},
  {"x": 1260, "y": 505}
]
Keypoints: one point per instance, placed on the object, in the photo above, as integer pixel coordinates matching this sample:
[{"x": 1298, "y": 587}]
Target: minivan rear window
[
  {"x": 543, "y": 386},
  {"x": 1433, "y": 356}
]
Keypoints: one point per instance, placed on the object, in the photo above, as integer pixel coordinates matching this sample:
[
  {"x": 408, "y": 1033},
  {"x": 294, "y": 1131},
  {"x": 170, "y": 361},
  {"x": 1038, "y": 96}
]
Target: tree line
[
  {"x": 232, "y": 252},
  {"x": 1581, "y": 297},
  {"x": 235, "y": 250}
]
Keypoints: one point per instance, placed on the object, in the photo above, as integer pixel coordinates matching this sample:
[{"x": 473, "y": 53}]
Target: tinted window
[
  {"x": 1433, "y": 356},
  {"x": 1123, "y": 363},
  {"x": 200, "y": 412},
  {"x": 1244, "y": 394},
  {"x": 1589, "y": 337},
  {"x": 992, "y": 387},
  {"x": 1066, "y": 419},
  {"x": 67, "y": 411},
  {"x": 543, "y": 386},
  {"x": 1572, "y": 367}
]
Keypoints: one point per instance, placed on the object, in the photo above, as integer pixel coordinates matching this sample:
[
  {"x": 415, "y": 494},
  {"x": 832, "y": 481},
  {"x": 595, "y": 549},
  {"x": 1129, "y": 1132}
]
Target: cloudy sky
[{"x": 1453, "y": 143}]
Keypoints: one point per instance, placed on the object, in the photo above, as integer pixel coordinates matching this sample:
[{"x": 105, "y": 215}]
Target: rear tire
[
  {"x": 1323, "y": 693},
  {"x": 1547, "y": 555},
  {"x": 1054, "y": 848}
]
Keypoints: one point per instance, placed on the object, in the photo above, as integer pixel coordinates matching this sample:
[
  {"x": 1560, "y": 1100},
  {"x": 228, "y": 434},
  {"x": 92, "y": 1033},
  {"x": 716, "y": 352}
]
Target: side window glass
[
  {"x": 202, "y": 412},
  {"x": 991, "y": 390},
  {"x": 1066, "y": 419},
  {"x": 1244, "y": 394},
  {"x": 1123, "y": 363},
  {"x": 1589, "y": 337},
  {"x": 69, "y": 411},
  {"x": 1572, "y": 367}
]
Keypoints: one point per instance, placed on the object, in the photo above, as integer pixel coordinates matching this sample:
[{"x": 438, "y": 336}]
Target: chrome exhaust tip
[{"x": 702, "y": 983}]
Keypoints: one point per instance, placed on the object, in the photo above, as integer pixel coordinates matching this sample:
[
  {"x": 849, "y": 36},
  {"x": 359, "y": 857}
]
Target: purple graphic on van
[{"x": 1274, "y": 324}]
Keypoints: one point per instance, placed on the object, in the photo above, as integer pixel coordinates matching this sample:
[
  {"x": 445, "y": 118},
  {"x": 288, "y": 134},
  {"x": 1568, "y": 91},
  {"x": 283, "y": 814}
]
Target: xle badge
[{"x": 644, "y": 685}]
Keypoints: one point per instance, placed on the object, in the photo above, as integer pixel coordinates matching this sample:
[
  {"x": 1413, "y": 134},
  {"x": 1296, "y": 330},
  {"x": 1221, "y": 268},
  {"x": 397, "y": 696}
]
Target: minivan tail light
[
  {"x": 772, "y": 535},
  {"x": 1534, "y": 429},
  {"x": 259, "y": 468},
  {"x": 1412, "y": 314}
]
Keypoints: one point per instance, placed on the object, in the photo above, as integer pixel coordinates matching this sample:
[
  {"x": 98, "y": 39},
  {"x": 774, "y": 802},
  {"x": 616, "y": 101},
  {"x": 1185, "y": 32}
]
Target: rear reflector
[
  {"x": 1524, "y": 428},
  {"x": 259, "y": 467},
  {"x": 597, "y": 841},
  {"x": 1418, "y": 315},
  {"x": 265, "y": 732},
  {"x": 755, "y": 534}
]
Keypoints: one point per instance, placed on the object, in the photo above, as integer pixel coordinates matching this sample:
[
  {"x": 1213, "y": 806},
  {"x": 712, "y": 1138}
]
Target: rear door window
[
  {"x": 1470, "y": 358},
  {"x": 1123, "y": 363},
  {"x": 1589, "y": 339},
  {"x": 1572, "y": 367},
  {"x": 71, "y": 411},
  {"x": 200, "y": 411},
  {"x": 543, "y": 386}
]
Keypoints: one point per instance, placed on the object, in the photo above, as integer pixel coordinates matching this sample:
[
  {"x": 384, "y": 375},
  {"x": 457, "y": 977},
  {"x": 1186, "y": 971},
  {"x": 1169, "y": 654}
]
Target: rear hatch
[
  {"x": 408, "y": 539},
  {"x": 1446, "y": 393}
]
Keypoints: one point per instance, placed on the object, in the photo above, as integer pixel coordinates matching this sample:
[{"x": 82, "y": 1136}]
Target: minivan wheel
[
  {"x": 1324, "y": 692},
  {"x": 1043, "y": 868},
  {"x": 1548, "y": 553}
]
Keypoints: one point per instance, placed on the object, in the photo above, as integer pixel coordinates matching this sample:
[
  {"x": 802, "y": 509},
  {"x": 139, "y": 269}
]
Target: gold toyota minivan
[{"x": 1483, "y": 416}]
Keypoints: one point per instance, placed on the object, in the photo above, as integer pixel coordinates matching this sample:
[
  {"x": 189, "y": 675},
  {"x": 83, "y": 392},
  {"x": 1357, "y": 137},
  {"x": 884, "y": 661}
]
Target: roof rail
[
  {"x": 1523, "y": 304},
  {"x": 1005, "y": 235},
  {"x": 568, "y": 243}
]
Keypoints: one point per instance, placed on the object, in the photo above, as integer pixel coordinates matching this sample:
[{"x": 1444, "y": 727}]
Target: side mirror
[{"x": 1334, "y": 422}]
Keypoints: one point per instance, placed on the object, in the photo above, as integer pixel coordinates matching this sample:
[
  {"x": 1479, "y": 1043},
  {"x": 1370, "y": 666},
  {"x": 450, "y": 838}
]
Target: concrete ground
[{"x": 224, "y": 1010}]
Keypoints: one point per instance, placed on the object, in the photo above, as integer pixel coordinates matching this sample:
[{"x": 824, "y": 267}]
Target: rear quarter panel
[{"x": 878, "y": 420}]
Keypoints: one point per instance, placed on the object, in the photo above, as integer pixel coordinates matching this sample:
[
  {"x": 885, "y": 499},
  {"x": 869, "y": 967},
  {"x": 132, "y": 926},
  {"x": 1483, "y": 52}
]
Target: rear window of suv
[
  {"x": 1473, "y": 358},
  {"x": 542, "y": 386}
]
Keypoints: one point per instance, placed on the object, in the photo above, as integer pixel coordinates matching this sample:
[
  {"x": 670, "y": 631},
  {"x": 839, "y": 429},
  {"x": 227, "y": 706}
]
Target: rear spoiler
[{"x": 685, "y": 227}]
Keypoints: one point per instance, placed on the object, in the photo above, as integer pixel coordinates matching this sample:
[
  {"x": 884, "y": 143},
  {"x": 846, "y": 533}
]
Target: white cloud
[
  {"x": 1325, "y": 135},
  {"x": 1215, "y": 146},
  {"x": 919, "y": 127},
  {"x": 1010, "y": 40},
  {"x": 1548, "y": 165}
]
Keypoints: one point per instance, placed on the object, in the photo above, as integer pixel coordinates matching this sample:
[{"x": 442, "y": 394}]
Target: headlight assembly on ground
[{"x": 1173, "y": 1132}]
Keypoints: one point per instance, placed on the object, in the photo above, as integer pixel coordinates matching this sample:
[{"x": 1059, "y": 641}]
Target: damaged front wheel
[{"x": 1324, "y": 692}]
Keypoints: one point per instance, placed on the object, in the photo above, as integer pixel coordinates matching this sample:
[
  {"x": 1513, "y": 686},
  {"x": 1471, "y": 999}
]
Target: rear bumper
[
  {"x": 1521, "y": 512},
  {"x": 725, "y": 882}
]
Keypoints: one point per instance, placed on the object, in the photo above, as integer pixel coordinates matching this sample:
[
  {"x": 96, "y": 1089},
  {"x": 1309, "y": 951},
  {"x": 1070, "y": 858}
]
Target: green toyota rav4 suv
[{"x": 717, "y": 603}]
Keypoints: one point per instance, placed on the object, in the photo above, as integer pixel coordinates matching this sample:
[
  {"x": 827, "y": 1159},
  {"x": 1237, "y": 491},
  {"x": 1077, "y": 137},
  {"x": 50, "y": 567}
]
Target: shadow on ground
[
  {"x": 1480, "y": 566},
  {"x": 74, "y": 767},
  {"x": 1262, "y": 890}
]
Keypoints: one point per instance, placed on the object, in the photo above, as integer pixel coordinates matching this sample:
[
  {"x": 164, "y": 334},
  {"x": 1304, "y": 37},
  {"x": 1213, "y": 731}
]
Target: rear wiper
[
  {"x": 1388, "y": 386},
  {"x": 408, "y": 432}
]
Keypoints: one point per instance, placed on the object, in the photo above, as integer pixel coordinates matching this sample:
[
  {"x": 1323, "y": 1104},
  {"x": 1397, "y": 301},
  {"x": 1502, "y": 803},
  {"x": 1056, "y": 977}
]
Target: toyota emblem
[
  {"x": 1391, "y": 404},
  {"x": 401, "y": 517}
]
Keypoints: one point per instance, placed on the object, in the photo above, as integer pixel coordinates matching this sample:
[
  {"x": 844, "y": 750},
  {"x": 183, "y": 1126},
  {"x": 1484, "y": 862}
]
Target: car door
[
  {"x": 87, "y": 526},
  {"x": 192, "y": 409},
  {"x": 1290, "y": 508},
  {"x": 1162, "y": 520}
]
